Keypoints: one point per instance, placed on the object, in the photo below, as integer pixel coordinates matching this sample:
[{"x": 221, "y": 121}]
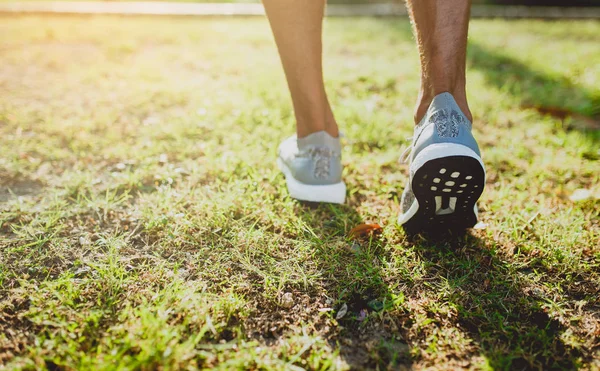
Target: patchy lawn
[{"x": 144, "y": 225}]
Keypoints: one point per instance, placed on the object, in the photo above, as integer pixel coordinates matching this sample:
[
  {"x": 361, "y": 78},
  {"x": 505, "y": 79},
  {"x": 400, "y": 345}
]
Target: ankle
[
  {"x": 305, "y": 130},
  {"x": 332, "y": 129},
  {"x": 306, "y": 125}
]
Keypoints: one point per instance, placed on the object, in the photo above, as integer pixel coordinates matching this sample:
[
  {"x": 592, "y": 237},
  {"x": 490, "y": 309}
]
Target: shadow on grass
[
  {"x": 496, "y": 306},
  {"x": 354, "y": 280}
]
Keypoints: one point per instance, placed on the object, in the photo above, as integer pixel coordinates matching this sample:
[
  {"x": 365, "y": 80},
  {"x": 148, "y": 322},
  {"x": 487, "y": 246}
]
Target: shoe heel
[
  {"x": 329, "y": 193},
  {"x": 447, "y": 180}
]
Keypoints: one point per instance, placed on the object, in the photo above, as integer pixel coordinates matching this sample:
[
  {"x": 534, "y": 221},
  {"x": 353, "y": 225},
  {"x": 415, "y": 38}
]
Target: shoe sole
[
  {"x": 447, "y": 180},
  {"x": 330, "y": 193}
]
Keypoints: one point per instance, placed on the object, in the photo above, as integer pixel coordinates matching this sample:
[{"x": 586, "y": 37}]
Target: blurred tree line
[
  {"x": 540, "y": 2},
  {"x": 563, "y": 3}
]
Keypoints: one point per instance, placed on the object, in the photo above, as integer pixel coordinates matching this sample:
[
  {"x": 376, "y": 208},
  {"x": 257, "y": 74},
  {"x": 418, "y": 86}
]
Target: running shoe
[
  {"x": 446, "y": 176},
  {"x": 312, "y": 167}
]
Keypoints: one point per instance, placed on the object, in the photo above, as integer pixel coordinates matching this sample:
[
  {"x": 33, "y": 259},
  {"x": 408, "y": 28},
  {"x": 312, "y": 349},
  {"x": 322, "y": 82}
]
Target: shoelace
[
  {"x": 322, "y": 157},
  {"x": 407, "y": 151}
]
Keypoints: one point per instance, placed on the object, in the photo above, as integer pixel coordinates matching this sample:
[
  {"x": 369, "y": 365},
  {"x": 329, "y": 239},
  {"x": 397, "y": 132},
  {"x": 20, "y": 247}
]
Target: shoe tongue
[{"x": 319, "y": 139}]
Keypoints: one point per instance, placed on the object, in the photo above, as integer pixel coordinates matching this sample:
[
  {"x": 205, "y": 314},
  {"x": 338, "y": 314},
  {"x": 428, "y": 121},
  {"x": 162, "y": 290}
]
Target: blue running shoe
[{"x": 447, "y": 175}]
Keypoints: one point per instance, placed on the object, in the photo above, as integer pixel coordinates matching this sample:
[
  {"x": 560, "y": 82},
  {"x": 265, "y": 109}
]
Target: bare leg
[
  {"x": 297, "y": 26},
  {"x": 441, "y": 28}
]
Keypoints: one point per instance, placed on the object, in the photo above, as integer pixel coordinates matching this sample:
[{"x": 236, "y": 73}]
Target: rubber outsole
[
  {"x": 447, "y": 179},
  {"x": 446, "y": 190},
  {"x": 329, "y": 193}
]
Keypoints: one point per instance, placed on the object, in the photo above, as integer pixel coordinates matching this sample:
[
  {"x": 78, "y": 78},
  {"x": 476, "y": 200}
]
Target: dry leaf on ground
[{"x": 364, "y": 229}]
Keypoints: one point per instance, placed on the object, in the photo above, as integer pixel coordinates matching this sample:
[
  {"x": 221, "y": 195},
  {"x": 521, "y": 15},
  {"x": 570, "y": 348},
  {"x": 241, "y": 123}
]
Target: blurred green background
[{"x": 560, "y": 3}]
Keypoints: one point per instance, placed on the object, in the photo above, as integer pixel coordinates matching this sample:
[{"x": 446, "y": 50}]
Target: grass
[{"x": 144, "y": 224}]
